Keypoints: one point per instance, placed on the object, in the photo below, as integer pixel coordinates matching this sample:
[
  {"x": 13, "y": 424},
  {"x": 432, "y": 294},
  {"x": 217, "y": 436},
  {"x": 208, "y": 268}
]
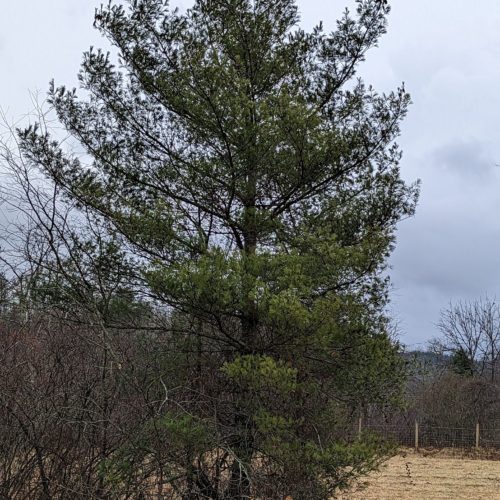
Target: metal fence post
[
  {"x": 360, "y": 427},
  {"x": 477, "y": 435},
  {"x": 416, "y": 435}
]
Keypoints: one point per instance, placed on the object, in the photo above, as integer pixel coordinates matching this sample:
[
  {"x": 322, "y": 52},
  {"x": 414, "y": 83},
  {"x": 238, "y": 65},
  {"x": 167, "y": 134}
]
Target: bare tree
[{"x": 471, "y": 330}]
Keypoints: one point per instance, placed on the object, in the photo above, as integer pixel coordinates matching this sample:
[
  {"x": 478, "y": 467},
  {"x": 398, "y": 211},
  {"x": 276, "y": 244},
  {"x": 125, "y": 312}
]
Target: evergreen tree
[
  {"x": 461, "y": 363},
  {"x": 257, "y": 181}
]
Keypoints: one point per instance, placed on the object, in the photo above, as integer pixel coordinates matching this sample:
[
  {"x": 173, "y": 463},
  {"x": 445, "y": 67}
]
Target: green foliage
[
  {"x": 184, "y": 431},
  {"x": 258, "y": 372},
  {"x": 257, "y": 184},
  {"x": 461, "y": 363}
]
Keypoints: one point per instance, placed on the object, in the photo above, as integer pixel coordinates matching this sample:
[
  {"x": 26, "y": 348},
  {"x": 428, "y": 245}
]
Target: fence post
[
  {"x": 477, "y": 435},
  {"x": 360, "y": 426},
  {"x": 416, "y": 435}
]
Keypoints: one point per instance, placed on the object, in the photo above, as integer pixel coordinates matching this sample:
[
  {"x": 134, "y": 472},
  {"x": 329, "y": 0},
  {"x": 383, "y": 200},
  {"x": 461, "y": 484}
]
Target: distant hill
[{"x": 427, "y": 357}]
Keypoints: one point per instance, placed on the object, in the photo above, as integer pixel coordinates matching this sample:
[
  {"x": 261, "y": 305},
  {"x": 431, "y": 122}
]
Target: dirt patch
[{"x": 429, "y": 476}]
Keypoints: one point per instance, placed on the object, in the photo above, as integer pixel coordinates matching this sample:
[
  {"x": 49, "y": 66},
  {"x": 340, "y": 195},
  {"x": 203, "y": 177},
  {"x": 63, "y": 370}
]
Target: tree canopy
[{"x": 253, "y": 181}]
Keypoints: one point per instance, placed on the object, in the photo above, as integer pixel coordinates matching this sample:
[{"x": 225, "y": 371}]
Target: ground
[{"x": 429, "y": 476}]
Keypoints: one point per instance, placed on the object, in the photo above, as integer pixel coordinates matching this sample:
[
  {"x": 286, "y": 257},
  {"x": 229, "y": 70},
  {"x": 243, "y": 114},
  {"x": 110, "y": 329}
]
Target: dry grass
[{"x": 432, "y": 475}]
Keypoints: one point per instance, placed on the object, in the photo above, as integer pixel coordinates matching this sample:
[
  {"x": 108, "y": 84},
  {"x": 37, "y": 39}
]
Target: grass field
[{"x": 429, "y": 476}]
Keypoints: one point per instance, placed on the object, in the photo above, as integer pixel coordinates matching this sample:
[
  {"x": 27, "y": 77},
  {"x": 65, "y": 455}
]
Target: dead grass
[{"x": 430, "y": 475}]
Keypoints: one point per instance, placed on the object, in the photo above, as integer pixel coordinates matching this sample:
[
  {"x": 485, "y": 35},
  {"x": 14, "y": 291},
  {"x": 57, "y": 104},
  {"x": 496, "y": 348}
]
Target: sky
[{"x": 447, "y": 53}]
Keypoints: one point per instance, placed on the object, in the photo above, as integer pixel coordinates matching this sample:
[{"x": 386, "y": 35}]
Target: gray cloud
[
  {"x": 450, "y": 249},
  {"x": 470, "y": 159}
]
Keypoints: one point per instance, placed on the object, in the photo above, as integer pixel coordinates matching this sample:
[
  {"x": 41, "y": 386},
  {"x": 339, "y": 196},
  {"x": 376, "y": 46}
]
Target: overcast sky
[{"x": 448, "y": 54}]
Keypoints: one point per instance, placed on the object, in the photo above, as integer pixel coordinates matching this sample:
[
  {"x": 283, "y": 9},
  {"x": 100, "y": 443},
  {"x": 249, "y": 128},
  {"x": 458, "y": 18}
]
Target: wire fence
[{"x": 418, "y": 435}]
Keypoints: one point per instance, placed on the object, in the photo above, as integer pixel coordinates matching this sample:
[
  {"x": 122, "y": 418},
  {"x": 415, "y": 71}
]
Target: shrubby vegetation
[
  {"x": 464, "y": 387},
  {"x": 455, "y": 384},
  {"x": 197, "y": 303}
]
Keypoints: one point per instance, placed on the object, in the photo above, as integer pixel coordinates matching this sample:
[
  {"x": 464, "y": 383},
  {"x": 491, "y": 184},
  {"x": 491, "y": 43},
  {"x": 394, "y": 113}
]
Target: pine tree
[
  {"x": 461, "y": 363},
  {"x": 257, "y": 181}
]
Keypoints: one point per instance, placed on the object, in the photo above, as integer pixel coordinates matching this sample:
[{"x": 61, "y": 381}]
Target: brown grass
[{"x": 432, "y": 475}]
